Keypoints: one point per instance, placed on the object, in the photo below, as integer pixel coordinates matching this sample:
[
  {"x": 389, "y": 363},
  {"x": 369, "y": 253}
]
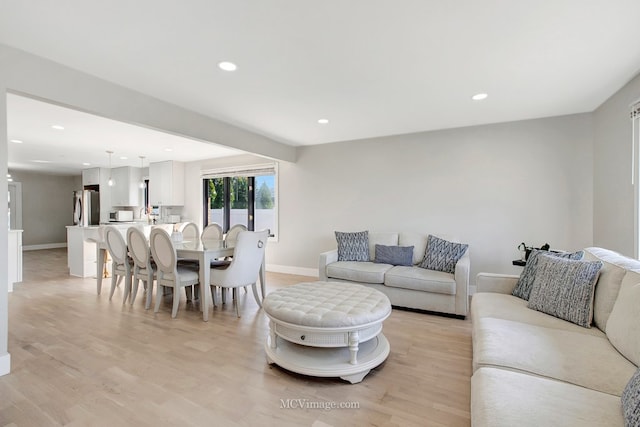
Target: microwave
[{"x": 120, "y": 216}]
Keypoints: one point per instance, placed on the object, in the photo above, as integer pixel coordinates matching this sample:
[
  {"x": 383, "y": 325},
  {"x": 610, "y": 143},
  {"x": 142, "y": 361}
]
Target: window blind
[{"x": 247, "y": 170}]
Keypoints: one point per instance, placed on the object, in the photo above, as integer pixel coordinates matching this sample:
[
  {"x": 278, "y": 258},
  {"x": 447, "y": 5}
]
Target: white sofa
[
  {"x": 406, "y": 286},
  {"x": 532, "y": 369}
]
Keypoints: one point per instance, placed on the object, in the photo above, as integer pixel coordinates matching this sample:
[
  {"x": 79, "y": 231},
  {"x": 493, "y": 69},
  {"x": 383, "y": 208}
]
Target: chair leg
[
  {"x": 176, "y": 301},
  {"x": 134, "y": 290},
  {"x": 159, "y": 294},
  {"x": 213, "y": 294},
  {"x": 147, "y": 303},
  {"x": 188, "y": 290},
  {"x": 114, "y": 279},
  {"x": 236, "y": 301}
]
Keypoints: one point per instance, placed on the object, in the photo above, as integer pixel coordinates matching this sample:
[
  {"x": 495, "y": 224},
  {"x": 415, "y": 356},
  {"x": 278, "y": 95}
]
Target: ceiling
[
  {"x": 86, "y": 138},
  {"x": 371, "y": 67}
]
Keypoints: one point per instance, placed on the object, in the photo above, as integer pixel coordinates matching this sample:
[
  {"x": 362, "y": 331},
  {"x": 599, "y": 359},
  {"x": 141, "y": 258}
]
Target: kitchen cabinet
[
  {"x": 126, "y": 188},
  {"x": 91, "y": 176},
  {"x": 81, "y": 250},
  {"x": 166, "y": 183}
]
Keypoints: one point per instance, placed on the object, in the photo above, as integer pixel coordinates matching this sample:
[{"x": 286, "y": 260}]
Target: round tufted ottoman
[{"x": 327, "y": 329}]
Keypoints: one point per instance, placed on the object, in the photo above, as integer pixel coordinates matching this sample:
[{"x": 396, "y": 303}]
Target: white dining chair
[
  {"x": 169, "y": 273},
  {"x": 212, "y": 231},
  {"x": 190, "y": 231},
  {"x": 121, "y": 263},
  {"x": 244, "y": 269},
  {"x": 233, "y": 232},
  {"x": 143, "y": 269}
]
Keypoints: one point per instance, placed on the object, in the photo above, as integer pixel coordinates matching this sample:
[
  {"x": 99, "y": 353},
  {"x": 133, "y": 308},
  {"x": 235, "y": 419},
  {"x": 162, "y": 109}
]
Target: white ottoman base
[{"x": 328, "y": 362}]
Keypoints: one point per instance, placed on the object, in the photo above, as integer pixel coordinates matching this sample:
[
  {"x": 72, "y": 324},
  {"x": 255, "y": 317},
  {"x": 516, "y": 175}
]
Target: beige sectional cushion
[
  {"x": 508, "y": 307},
  {"x": 611, "y": 275},
  {"x": 381, "y": 238},
  {"x": 355, "y": 271},
  {"x": 421, "y": 279},
  {"x": 418, "y": 241},
  {"x": 623, "y": 327},
  {"x": 586, "y": 360},
  {"x": 501, "y": 398}
]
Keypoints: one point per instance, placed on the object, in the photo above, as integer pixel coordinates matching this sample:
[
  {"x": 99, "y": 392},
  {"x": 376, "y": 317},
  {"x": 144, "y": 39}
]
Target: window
[{"x": 245, "y": 196}]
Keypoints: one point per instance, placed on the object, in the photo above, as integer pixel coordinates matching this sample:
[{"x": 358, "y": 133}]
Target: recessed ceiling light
[
  {"x": 41, "y": 161},
  {"x": 57, "y": 127},
  {"x": 323, "y": 121},
  {"x": 8, "y": 175},
  {"x": 16, "y": 141},
  {"x": 10, "y": 179},
  {"x": 479, "y": 96},
  {"x": 123, "y": 157},
  {"x": 168, "y": 149},
  {"x": 86, "y": 164},
  {"x": 227, "y": 66}
]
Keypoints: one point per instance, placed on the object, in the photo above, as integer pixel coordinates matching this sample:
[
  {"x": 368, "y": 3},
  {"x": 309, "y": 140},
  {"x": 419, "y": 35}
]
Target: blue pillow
[{"x": 394, "y": 255}]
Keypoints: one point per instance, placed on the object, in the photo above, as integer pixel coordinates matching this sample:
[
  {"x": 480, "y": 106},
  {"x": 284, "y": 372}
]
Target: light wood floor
[{"x": 80, "y": 360}]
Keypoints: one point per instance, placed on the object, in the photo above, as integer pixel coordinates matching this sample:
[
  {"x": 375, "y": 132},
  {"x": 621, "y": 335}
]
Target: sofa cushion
[
  {"x": 614, "y": 269},
  {"x": 623, "y": 326},
  {"x": 355, "y": 271},
  {"x": 586, "y": 360},
  {"x": 419, "y": 243},
  {"x": 525, "y": 282},
  {"x": 564, "y": 288},
  {"x": 353, "y": 246},
  {"x": 442, "y": 255},
  {"x": 420, "y": 279},
  {"x": 508, "y": 307},
  {"x": 502, "y": 398},
  {"x": 394, "y": 255},
  {"x": 380, "y": 238},
  {"x": 631, "y": 401}
]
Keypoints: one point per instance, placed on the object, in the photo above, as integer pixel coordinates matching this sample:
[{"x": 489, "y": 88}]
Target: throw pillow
[
  {"x": 564, "y": 288},
  {"x": 523, "y": 287},
  {"x": 631, "y": 401},
  {"x": 394, "y": 255},
  {"x": 353, "y": 246},
  {"x": 442, "y": 255}
]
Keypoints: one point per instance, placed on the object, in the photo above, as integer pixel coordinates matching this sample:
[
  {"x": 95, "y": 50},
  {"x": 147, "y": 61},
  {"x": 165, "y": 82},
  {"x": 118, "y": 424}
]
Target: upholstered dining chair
[
  {"x": 170, "y": 274},
  {"x": 245, "y": 266},
  {"x": 212, "y": 231},
  {"x": 143, "y": 269},
  {"x": 232, "y": 234},
  {"x": 120, "y": 262},
  {"x": 190, "y": 231}
]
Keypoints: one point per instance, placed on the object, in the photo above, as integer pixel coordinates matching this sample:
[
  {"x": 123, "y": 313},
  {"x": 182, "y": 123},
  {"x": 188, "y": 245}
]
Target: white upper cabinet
[
  {"x": 91, "y": 176},
  {"x": 166, "y": 183},
  {"x": 126, "y": 188}
]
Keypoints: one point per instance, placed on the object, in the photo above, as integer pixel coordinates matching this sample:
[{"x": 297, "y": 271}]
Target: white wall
[
  {"x": 47, "y": 207},
  {"x": 492, "y": 186},
  {"x": 613, "y": 194}
]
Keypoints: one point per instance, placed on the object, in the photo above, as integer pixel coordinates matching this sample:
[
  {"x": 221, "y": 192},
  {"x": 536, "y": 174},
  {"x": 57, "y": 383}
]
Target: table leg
[
  {"x": 205, "y": 273},
  {"x": 354, "y": 339},
  {"x": 100, "y": 255}
]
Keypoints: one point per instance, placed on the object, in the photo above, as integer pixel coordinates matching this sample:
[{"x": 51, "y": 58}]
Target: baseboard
[
  {"x": 45, "y": 246},
  {"x": 288, "y": 269},
  {"x": 5, "y": 364}
]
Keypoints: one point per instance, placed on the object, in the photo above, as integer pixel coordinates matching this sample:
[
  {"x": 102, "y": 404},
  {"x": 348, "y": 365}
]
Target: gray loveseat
[
  {"x": 534, "y": 369},
  {"x": 406, "y": 286}
]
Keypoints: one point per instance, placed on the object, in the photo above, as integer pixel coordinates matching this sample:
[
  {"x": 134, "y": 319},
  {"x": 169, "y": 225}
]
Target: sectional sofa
[
  {"x": 407, "y": 286},
  {"x": 534, "y": 369}
]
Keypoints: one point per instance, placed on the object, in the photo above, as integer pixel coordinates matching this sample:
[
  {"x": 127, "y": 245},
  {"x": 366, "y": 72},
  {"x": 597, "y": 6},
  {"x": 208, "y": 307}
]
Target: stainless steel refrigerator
[{"x": 86, "y": 208}]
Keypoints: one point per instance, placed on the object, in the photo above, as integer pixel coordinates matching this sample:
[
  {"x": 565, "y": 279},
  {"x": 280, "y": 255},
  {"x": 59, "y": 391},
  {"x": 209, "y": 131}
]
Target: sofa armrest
[
  {"x": 326, "y": 258},
  {"x": 497, "y": 283},
  {"x": 461, "y": 276}
]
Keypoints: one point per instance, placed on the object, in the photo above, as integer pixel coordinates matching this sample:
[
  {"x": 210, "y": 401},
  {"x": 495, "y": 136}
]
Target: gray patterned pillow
[
  {"x": 631, "y": 401},
  {"x": 353, "y": 246},
  {"x": 442, "y": 255},
  {"x": 394, "y": 255},
  {"x": 523, "y": 287},
  {"x": 564, "y": 288}
]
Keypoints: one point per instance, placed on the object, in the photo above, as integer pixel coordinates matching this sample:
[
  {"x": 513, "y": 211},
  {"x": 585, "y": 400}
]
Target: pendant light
[
  {"x": 141, "y": 167},
  {"x": 111, "y": 182}
]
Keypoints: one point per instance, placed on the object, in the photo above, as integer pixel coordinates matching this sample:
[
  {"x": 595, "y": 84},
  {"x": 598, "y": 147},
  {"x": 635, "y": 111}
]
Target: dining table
[{"x": 203, "y": 251}]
